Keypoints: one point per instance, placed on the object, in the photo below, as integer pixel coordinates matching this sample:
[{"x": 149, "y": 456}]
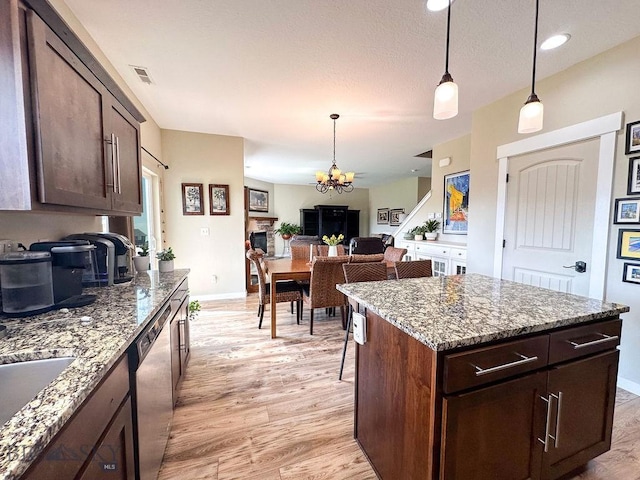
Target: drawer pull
[
  {"x": 485, "y": 371},
  {"x": 606, "y": 338}
]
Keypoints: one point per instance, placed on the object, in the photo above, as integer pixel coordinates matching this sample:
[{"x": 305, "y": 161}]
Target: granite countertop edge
[{"x": 28, "y": 433}]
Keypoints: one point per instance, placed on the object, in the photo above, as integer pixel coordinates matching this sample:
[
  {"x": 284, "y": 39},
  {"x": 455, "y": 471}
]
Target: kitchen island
[
  {"x": 469, "y": 376},
  {"x": 98, "y": 345}
]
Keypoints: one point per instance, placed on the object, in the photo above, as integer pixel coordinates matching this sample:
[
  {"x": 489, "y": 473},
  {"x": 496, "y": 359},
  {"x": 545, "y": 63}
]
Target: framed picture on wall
[
  {"x": 258, "y": 200},
  {"x": 394, "y": 216},
  {"x": 192, "y": 199},
  {"x": 627, "y": 210},
  {"x": 218, "y": 199},
  {"x": 629, "y": 244},
  {"x": 456, "y": 203},
  {"x": 383, "y": 216},
  {"x": 632, "y": 144},
  {"x": 634, "y": 176},
  {"x": 631, "y": 273}
]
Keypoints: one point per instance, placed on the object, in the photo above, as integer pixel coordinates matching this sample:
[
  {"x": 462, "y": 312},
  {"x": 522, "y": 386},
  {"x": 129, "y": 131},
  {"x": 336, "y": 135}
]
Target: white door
[{"x": 550, "y": 206}]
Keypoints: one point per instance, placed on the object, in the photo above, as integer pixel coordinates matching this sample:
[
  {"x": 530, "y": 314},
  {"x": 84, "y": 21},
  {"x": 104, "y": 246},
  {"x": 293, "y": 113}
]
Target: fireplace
[
  {"x": 259, "y": 240},
  {"x": 262, "y": 227}
]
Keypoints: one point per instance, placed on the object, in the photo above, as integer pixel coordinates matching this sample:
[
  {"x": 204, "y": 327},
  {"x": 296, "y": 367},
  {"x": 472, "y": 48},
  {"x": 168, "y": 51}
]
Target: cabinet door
[
  {"x": 68, "y": 117},
  {"x": 124, "y": 153},
  {"x": 309, "y": 221},
  {"x": 582, "y": 412},
  {"x": 492, "y": 433},
  {"x": 458, "y": 267},
  {"x": 112, "y": 458}
]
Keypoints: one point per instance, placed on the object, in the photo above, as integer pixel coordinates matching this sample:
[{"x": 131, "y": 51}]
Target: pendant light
[
  {"x": 445, "y": 103},
  {"x": 531, "y": 114}
]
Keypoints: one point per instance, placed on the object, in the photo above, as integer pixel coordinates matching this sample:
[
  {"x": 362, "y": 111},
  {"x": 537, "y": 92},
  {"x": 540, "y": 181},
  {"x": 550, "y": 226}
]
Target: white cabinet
[{"x": 446, "y": 258}]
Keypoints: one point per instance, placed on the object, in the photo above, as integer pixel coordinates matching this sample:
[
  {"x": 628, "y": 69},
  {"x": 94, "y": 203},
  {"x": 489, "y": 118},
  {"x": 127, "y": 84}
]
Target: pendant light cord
[
  {"x": 446, "y": 60},
  {"x": 535, "y": 51},
  {"x": 334, "y": 141}
]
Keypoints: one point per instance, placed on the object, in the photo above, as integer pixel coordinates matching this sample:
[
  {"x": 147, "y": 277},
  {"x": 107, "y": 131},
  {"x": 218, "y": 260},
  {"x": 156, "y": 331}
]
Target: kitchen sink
[{"x": 21, "y": 381}]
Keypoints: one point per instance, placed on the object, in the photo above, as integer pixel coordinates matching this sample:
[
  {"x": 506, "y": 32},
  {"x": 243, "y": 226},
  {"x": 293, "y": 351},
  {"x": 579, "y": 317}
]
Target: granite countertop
[
  {"x": 118, "y": 315},
  {"x": 460, "y": 310}
]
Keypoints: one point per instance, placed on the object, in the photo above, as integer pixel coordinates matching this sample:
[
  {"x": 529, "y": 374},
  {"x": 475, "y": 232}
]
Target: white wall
[
  {"x": 289, "y": 199},
  {"x": 400, "y": 194},
  {"x": 599, "y": 86},
  {"x": 206, "y": 159}
]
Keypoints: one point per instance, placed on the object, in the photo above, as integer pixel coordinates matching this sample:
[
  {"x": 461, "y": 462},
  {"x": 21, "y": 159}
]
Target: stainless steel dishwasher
[{"x": 153, "y": 403}]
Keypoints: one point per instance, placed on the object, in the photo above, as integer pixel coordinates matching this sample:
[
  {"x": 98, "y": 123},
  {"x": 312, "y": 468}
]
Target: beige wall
[
  {"x": 400, "y": 194},
  {"x": 289, "y": 199},
  {"x": 203, "y": 158},
  {"x": 599, "y": 86},
  {"x": 459, "y": 151}
]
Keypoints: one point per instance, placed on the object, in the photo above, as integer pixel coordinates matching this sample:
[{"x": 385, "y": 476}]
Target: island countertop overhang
[{"x": 450, "y": 312}]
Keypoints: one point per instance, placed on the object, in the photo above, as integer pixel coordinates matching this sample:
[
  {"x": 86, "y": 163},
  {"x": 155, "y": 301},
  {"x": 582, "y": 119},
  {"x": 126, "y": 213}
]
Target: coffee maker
[{"x": 113, "y": 255}]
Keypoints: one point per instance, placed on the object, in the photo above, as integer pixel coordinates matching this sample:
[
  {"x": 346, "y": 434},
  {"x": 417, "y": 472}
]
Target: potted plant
[
  {"x": 431, "y": 229},
  {"x": 333, "y": 242},
  {"x": 418, "y": 232},
  {"x": 142, "y": 260},
  {"x": 286, "y": 230},
  {"x": 194, "y": 309},
  {"x": 166, "y": 258}
]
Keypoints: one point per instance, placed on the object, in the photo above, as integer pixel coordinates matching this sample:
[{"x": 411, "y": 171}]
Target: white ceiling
[{"x": 272, "y": 71}]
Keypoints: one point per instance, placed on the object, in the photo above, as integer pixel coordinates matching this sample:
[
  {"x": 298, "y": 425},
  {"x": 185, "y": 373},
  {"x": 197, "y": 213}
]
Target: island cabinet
[
  {"x": 97, "y": 442},
  {"x": 179, "y": 327},
  {"x": 75, "y": 140},
  {"x": 536, "y": 406}
]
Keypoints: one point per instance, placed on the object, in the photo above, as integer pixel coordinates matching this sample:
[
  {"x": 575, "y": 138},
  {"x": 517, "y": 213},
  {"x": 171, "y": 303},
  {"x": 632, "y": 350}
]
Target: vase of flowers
[{"x": 333, "y": 242}]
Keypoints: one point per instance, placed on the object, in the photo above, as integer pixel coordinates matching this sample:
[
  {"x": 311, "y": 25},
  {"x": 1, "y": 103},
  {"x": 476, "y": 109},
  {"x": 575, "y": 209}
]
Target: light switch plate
[
  {"x": 359, "y": 328},
  {"x": 204, "y": 231}
]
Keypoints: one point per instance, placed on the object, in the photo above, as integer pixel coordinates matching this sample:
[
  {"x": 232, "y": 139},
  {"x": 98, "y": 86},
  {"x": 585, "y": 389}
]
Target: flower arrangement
[{"x": 333, "y": 240}]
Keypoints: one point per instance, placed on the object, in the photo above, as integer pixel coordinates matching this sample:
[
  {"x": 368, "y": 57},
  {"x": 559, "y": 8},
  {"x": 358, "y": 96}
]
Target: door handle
[
  {"x": 118, "y": 164},
  {"x": 547, "y": 427},
  {"x": 579, "y": 266}
]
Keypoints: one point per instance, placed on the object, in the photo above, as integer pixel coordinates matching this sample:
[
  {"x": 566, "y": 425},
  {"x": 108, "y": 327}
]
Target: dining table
[{"x": 284, "y": 269}]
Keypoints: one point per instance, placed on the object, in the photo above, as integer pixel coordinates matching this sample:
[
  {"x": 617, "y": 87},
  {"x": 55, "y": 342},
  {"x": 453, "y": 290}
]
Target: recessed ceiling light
[
  {"x": 437, "y": 5},
  {"x": 555, "y": 41},
  {"x": 414, "y": 170}
]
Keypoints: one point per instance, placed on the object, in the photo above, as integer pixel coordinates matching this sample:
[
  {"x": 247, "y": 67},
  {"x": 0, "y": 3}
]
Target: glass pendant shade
[
  {"x": 445, "y": 104},
  {"x": 531, "y": 116}
]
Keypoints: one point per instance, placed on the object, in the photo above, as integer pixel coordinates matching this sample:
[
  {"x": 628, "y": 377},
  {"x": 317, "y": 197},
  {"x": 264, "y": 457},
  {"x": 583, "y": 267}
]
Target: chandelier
[{"x": 334, "y": 179}]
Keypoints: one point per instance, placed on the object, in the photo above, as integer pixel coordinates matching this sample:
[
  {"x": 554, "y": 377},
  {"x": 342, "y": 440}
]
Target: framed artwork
[
  {"x": 628, "y": 244},
  {"x": 192, "y": 199},
  {"x": 258, "y": 200},
  {"x": 627, "y": 210},
  {"x": 394, "y": 216},
  {"x": 634, "y": 176},
  {"x": 632, "y": 144},
  {"x": 383, "y": 216},
  {"x": 631, "y": 273},
  {"x": 456, "y": 203},
  {"x": 218, "y": 199}
]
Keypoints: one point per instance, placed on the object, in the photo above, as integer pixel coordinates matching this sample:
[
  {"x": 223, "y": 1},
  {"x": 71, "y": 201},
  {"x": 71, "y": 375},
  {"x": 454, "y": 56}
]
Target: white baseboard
[
  {"x": 629, "y": 386},
  {"x": 221, "y": 296}
]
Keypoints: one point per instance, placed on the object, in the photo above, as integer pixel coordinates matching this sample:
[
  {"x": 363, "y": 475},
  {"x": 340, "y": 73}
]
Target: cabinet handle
[
  {"x": 182, "y": 347},
  {"x": 113, "y": 161},
  {"x": 547, "y": 427},
  {"x": 118, "y": 164},
  {"x": 556, "y": 434},
  {"x": 485, "y": 371},
  {"x": 606, "y": 338}
]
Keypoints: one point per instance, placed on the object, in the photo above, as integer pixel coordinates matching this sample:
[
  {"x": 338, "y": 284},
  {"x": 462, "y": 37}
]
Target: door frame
[{"x": 605, "y": 127}]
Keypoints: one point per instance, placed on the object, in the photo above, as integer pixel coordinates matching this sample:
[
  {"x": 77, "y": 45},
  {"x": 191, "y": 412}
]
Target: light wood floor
[{"x": 255, "y": 408}]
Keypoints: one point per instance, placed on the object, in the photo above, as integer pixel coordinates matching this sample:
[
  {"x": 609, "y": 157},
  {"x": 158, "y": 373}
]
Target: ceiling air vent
[
  {"x": 427, "y": 154},
  {"x": 143, "y": 74}
]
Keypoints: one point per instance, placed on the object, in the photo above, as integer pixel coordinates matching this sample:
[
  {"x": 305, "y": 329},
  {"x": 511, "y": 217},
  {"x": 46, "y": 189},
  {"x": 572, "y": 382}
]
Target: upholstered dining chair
[
  {"x": 359, "y": 272},
  {"x": 413, "y": 269},
  {"x": 287, "y": 291},
  {"x": 326, "y": 273},
  {"x": 374, "y": 257},
  {"x": 323, "y": 250}
]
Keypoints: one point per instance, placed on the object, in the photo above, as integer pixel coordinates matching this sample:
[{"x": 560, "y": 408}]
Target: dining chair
[
  {"x": 287, "y": 291},
  {"x": 326, "y": 273},
  {"x": 359, "y": 272},
  {"x": 414, "y": 269},
  {"x": 364, "y": 258},
  {"x": 300, "y": 252},
  {"x": 394, "y": 254},
  {"x": 323, "y": 250}
]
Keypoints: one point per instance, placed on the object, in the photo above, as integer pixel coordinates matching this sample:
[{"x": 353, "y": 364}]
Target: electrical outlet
[
  {"x": 439, "y": 215},
  {"x": 204, "y": 231}
]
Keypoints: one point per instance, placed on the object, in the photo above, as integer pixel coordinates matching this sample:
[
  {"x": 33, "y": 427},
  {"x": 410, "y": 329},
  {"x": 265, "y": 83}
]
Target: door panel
[{"x": 549, "y": 217}]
